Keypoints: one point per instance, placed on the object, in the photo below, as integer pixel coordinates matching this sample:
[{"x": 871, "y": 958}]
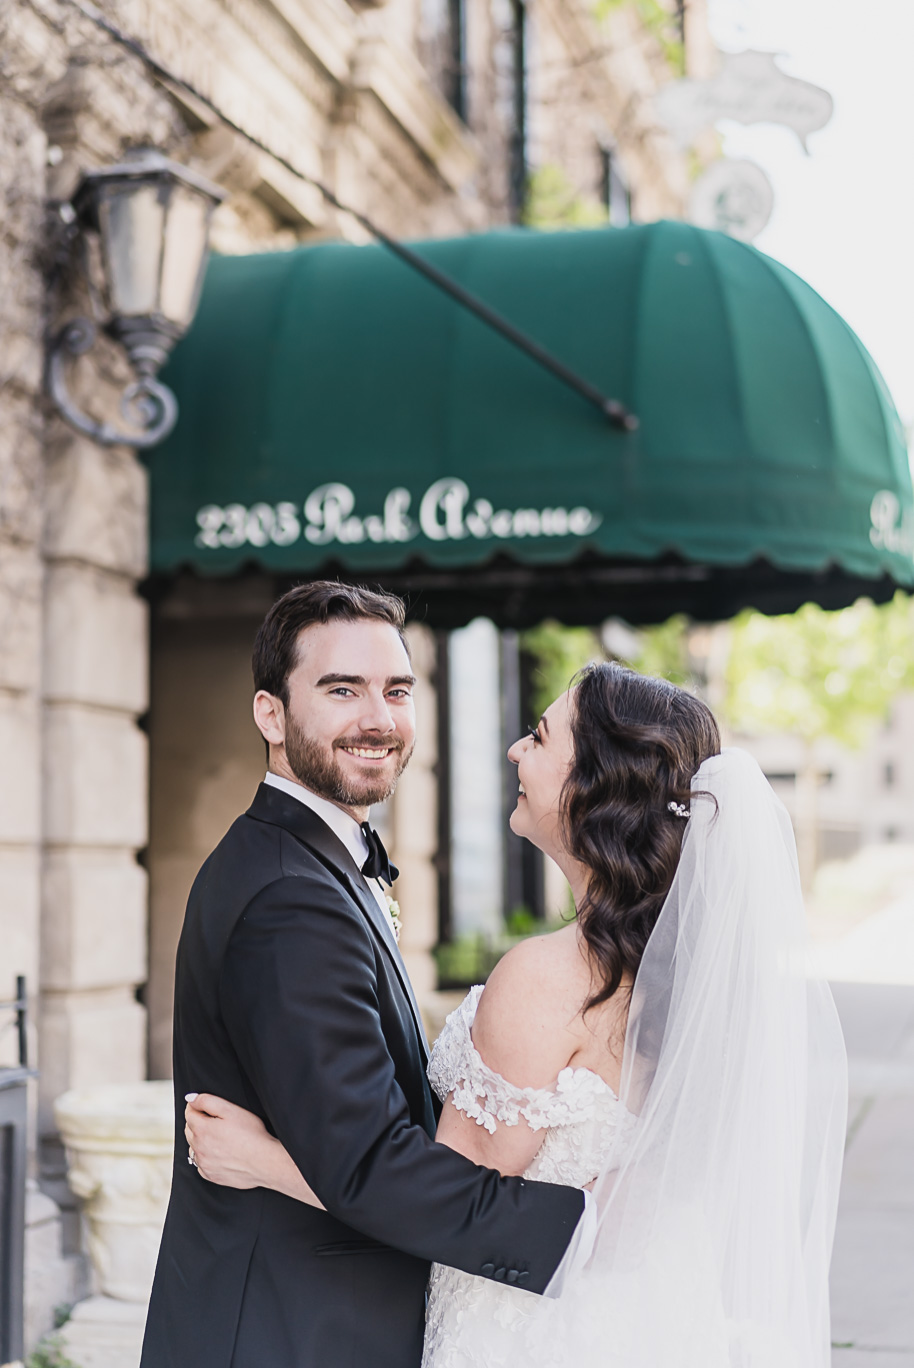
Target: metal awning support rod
[
  {"x": 617, "y": 414},
  {"x": 611, "y": 409}
]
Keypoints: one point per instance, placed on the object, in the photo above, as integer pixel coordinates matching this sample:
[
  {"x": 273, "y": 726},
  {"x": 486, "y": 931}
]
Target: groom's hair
[{"x": 276, "y": 645}]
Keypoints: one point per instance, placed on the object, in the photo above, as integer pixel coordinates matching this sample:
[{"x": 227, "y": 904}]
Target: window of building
[
  {"x": 442, "y": 46},
  {"x": 614, "y": 189},
  {"x": 510, "y": 55}
]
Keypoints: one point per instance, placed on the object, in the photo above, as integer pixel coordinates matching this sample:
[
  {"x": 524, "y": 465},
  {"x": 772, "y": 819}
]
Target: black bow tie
[{"x": 378, "y": 865}]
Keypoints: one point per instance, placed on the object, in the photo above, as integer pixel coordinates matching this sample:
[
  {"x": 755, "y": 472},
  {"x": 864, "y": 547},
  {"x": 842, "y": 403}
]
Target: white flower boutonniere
[{"x": 393, "y": 907}]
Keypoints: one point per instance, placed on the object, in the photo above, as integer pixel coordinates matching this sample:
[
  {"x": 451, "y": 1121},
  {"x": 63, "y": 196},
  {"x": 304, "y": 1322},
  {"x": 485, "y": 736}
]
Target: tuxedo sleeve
[{"x": 299, "y": 999}]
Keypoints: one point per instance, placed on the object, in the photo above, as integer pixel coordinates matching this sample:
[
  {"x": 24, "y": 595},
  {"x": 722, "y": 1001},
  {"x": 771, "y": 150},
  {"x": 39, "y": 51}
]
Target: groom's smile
[{"x": 364, "y": 753}]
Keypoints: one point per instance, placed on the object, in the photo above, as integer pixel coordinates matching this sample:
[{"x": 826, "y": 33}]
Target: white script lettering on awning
[
  {"x": 447, "y": 512},
  {"x": 890, "y": 528}
]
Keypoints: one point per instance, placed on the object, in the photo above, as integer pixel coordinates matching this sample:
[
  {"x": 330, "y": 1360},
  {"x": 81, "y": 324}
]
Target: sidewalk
[{"x": 873, "y": 1266}]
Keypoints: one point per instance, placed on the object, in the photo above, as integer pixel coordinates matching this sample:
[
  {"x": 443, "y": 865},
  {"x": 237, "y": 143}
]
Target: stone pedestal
[
  {"x": 104, "y": 1333},
  {"x": 53, "y": 1276},
  {"x": 119, "y": 1142}
]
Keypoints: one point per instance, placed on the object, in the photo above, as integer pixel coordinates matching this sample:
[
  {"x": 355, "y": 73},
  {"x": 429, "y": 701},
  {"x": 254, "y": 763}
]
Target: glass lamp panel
[
  {"x": 131, "y": 219},
  {"x": 184, "y": 257}
]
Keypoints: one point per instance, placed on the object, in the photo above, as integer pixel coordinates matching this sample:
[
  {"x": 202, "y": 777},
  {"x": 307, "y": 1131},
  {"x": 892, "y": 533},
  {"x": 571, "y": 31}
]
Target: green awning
[{"x": 339, "y": 414}]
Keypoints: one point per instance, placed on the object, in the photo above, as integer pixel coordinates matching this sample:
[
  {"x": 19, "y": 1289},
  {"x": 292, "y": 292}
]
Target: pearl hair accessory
[{"x": 679, "y": 810}]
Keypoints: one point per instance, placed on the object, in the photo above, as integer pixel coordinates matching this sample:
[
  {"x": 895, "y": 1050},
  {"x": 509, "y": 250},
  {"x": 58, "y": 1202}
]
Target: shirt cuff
[{"x": 580, "y": 1246}]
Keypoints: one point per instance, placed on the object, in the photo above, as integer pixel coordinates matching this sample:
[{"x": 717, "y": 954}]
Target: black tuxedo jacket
[{"x": 292, "y": 1001}]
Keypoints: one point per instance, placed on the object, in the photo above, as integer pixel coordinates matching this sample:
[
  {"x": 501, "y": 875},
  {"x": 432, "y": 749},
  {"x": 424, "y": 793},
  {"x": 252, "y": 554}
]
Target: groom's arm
[{"x": 299, "y": 998}]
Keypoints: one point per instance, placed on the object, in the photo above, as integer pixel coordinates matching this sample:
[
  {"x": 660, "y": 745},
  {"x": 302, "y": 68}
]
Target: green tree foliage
[
  {"x": 557, "y": 653},
  {"x": 812, "y": 673},
  {"x": 554, "y": 203},
  {"x": 664, "y": 651},
  {"x": 817, "y": 674},
  {"x": 659, "y": 22}
]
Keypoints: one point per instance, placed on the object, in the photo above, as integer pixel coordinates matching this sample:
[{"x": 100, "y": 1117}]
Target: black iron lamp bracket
[{"x": 147, "y": 406}]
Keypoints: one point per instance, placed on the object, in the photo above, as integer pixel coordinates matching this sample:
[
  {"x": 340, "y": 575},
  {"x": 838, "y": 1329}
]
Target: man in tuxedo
[{"x": 292, "y": 1001}]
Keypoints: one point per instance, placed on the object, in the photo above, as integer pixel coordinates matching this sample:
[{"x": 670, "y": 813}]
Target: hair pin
[{"x": 678, "y": 810}]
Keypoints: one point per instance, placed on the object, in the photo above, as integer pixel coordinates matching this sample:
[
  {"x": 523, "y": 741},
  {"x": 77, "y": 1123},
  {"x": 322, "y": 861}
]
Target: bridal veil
[{"x": 717, "y": 1205}]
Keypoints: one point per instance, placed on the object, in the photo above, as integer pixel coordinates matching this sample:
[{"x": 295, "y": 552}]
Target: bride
[{"x": 666, "y": 1049}]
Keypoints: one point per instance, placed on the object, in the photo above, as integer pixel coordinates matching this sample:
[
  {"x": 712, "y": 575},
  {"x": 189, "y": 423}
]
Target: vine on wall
[{"x": 660, "y": 23}]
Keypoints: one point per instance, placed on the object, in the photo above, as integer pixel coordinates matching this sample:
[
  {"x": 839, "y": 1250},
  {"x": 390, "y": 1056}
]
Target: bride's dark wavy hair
[{"x": 637, "y": 743}]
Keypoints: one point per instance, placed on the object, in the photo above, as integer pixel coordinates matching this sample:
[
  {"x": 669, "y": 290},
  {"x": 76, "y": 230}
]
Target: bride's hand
[
  {"x": 233, "y": 1147},
  {"x": 229, "y": 1145}
]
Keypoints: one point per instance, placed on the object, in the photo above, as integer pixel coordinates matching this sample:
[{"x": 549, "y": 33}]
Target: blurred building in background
[
  {"x": 825, "y": 704},
  {"x": 865, "y": 796},
  {"x": 124, "y": 717}
]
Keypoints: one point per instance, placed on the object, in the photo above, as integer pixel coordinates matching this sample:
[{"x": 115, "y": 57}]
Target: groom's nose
[{"x": 375, "y": 714}]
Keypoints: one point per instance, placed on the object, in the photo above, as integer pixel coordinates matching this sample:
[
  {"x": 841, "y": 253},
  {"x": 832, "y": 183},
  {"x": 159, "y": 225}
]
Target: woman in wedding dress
[{"x": 665, "y": 1049}]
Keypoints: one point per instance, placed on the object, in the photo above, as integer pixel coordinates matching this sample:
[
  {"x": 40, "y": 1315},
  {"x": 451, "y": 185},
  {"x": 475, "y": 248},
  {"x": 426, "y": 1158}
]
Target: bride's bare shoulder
[{"x": 528, "y": 1023}]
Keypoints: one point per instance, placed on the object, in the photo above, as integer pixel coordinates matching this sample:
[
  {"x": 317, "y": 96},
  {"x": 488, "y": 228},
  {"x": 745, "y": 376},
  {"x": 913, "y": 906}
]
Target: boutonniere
[{"x": 393, "y": 908}]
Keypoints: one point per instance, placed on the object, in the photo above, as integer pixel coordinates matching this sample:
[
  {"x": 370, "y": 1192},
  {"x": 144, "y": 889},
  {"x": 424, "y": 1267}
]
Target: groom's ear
[{"x": 270, "y": 717}]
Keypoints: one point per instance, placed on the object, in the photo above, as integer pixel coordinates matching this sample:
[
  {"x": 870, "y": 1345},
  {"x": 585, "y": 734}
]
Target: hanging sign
[
  {"x": 735, "y": 197},
  {"x": 748, "y": 87}
]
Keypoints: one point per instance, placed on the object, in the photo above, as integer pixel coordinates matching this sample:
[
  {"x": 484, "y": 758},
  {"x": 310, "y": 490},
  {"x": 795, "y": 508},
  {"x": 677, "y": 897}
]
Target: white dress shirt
[{"x": 343, "y": 826}]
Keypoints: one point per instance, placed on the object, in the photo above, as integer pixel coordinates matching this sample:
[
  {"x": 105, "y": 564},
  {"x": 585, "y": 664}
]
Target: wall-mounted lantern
[{"x": 151, "y": 218}]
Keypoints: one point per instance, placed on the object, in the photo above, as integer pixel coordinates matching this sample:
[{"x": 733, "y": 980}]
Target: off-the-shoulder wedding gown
[
  {"x": 716, "y": 1203},
  {"x": 473, "y": 1322}
]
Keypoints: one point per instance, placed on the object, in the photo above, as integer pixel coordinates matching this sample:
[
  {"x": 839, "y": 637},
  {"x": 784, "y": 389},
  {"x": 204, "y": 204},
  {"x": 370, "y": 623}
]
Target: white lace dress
[{"x": 473, "y": 1322}]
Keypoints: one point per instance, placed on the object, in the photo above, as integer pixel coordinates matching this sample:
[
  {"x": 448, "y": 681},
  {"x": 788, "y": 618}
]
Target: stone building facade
[{"x": 424, "y": 114}]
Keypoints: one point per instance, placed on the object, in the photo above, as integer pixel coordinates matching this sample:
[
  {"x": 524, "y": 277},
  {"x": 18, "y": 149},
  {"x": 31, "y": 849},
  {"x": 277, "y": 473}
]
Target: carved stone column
[
  {"x": 415, "y": 826},
  {"x": 119, "y": 1142}
]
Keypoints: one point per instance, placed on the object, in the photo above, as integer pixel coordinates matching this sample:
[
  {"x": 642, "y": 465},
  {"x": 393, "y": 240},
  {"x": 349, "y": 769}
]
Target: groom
[{"x": 292, "y": 1001}]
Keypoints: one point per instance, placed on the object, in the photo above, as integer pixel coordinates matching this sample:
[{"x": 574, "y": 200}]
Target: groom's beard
[{"x": 321, "y": 772}]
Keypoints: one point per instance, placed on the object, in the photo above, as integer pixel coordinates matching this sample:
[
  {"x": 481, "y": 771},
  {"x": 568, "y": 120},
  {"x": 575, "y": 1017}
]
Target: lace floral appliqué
[
  {"x": 457, "y": 1067},
  {"x": 473, "y": 1322}
]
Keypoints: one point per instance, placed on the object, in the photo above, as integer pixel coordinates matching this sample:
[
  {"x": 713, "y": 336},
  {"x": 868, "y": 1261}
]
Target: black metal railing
[{"x": 13, "y": 1120}]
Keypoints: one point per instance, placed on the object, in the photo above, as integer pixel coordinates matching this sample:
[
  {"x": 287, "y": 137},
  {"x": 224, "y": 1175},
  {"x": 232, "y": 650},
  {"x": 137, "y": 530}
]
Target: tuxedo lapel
[
  {"x": 367, "y": 902},
  {"x": 273, "y": 805}
]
